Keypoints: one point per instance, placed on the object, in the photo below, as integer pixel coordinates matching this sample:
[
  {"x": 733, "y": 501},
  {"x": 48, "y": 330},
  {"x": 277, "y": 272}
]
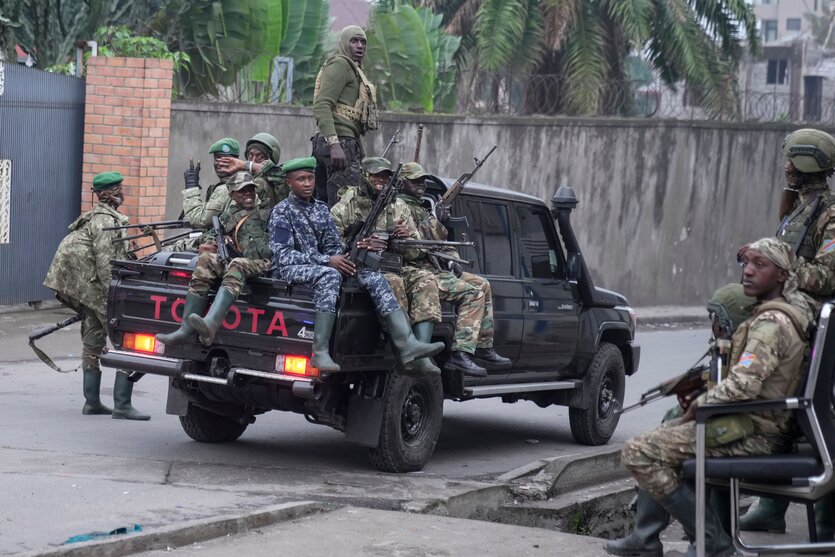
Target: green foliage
[
  {"x": 304, "y": 42},
  {"x": 119, "y": 41},
  {"x": 400, "y": 60},
  {"x": 509, "y": 32},
  {"x": 443, "y": 48}
]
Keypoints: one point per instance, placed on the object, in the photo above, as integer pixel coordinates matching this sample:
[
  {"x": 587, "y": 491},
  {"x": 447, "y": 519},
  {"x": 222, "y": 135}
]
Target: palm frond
[
  {"x": 584, "y": 66},
  {"x": 499, "y": 28}
]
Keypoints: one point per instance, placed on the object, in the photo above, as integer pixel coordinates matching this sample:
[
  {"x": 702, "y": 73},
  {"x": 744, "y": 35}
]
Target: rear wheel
[
  {"x": 603, "y": 388},
  {"x": 208, "y": 427},
  {"x": 414, "y": 407}
]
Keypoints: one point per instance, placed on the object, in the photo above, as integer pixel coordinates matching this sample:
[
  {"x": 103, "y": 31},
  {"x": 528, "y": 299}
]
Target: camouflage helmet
[
  {"x": 730, "y": 306},
  {"x": 810, "y": 150},
  {"x": 239, "y": 181},
  {"x": 270, "y": 142},
  {"x": 375, "y": 165}
]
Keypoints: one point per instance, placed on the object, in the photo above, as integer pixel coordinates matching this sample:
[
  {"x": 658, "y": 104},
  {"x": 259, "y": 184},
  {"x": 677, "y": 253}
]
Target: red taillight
[
  {"x": 139, "y": 342},
  {"x": 295, "y": 365},
  {"x": 180, "y": 274}
]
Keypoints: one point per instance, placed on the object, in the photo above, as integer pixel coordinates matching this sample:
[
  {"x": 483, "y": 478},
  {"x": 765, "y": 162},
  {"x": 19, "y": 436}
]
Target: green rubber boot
[
  {"x": 92, "y": 388},
  {"x": 322, "y": 329},
  {"x": 768, "y": 516},
  {"x": 644, "y": 540},
  {"x": 408, "y": 348},
  {"x": 194, "y": 305},
  {"x": 122, "y": 392},
  {"x": 207, "y": 326},
  {"x": 423, "y": 333},
  {"x": 825, "y": 519},
  {"x": 681, "y": 504}
]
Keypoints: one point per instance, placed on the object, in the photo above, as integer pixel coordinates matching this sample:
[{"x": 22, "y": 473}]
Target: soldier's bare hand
[
  {"x": 338, "y": 158},
  {"x": 231, "y": 164},
  {"x": 441, "y": 212},
  {"x": 684, "y": 400},
  {"x": 373, "y": 243},
  {"x": 400, "y": 230},
  {"x": 342, "y": 264},
  {"x": 207, "y": 248},
  {"x": 690, "y": 414}
]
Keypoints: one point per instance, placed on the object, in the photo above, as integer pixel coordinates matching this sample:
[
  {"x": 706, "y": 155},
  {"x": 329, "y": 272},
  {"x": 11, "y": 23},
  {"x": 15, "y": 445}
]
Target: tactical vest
[
  {"x": 364, "y": 112},
  {"x": 797, "y": 229},
  {"x": 248, "y": 230}
]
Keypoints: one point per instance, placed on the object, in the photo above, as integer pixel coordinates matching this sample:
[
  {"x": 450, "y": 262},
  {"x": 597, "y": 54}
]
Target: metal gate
[{"x": 41, "y": 145}]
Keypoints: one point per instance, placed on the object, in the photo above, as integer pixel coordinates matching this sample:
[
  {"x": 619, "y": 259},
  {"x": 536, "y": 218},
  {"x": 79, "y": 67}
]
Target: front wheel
[
  {"x": 603, "y": 388},
  {"x": 412, "y": 415},
  {"x": 208, "y": 427}
]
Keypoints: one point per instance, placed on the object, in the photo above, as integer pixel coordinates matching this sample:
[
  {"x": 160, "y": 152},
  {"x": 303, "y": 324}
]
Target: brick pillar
[{"x": 126, "y": 125}]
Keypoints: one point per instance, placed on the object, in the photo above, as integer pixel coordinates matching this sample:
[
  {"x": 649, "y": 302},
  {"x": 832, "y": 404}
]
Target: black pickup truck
[{"x": 571, "y": 344}]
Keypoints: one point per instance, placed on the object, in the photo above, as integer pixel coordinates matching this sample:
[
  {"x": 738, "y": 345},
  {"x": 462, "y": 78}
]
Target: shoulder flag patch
[
  {"x": 747, "y": 359},
  {"x": 828, "y": 246}
]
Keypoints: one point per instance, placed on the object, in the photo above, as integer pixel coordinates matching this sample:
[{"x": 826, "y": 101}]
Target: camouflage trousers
[
  {"x": 233, "y": 275},
  {"x": 416, "y": 291},
  {"x": 93, "y": 339},
  {"x": 326, "y": 282},
  {"x": 655, "y": 458},
  {"x": 473, "y": 299}
]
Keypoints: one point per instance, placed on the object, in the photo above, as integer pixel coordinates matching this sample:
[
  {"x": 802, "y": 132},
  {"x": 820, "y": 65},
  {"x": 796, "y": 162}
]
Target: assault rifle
[
  {"x": 149, "y": 229},
  {"x": 459, "y": 184},
  {"x": 392, "y": 142},
  {"x": 697, "y": 377},
  {"x": 361, "y": 256},
  {"x": 220, "y": 241},
  {"x": 426, "y": 244}
]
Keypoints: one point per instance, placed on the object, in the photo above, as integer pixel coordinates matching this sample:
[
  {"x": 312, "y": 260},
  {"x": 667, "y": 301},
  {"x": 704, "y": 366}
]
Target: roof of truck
[{"x": 483, "y": 190}]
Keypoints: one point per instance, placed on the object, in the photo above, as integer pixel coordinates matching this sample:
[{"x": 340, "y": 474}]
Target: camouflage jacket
[
  {"x": 302, "y": 233},
  {"x": 355, "y": 204},
  {"x": 816, "y": 273},
  {"x": 428, "y": 225},
  {"x": 200, "y": 213},
  {"x": 80, "y": 269},
  {"x": 245, "y": 231},
  {"x": 767, "y": 362},
  {"x": 270, "y": 185}
]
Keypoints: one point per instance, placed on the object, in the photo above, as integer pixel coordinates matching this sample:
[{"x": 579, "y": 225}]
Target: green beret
[
  {"x": 239, "y": 181},
  {"x": 106, "y": 180},
  {"x": 375, "y": 165},
  {"x": 226, "y": 146},
  {"x": 307, "y": 163},
  {"x": 412, "y": 171}
]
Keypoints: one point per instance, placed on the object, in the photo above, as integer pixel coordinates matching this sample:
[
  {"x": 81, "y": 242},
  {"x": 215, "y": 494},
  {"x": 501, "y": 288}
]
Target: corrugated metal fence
[{"x": 41, "y": 142}]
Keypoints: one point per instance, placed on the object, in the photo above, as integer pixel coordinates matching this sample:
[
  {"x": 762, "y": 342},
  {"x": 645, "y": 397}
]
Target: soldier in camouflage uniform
[
  {"x": 245, "y": 235},
  {"x": 345, "y": 108},
  {"x": 197, "y": 211},
  {"x": 307, "y": 250},
  {"x": 416, "y": 289},
  {"x": 471, "y": 294},
  {"x": 262, "y": 155},
  {"x": 80, "y": 276},
  {"x": 768, "y": 350}
]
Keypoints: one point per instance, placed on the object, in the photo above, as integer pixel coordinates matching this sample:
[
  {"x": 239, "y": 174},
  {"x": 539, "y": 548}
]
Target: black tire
[
  {"x": 603, "y": 388},
  {"x": 412, "y": 416},
  {"x": 208, "y": 427}
]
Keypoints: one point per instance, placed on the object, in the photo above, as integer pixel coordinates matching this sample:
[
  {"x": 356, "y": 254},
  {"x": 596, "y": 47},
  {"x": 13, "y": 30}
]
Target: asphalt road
[{"x": 52, "y": 458}]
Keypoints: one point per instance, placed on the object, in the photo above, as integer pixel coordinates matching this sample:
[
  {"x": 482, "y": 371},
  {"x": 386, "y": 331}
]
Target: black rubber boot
[
  {"x": 644, "y": 541},
  {"x": 322, "y": 329},
  {"x": 681, "y": 504},
  {"x": 463, "y": 362},
  {"x": 824, "y": 519},
  {"x": 122, "y": 392},
  {"x": 408, "y": 348},
  {"x": 423, "y": 332},
  {"x": 207, "y": 326},
  {"x": 92, "y": 389},
  {"x": 768, "y": 516},
  {"x": 194, "y": 305},
  {"x": 488, "y": 358}
]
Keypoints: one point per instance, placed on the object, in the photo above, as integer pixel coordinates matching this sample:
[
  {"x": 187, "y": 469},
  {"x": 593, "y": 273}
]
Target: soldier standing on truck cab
[
  {"x": 245, "y": 234},
  {"x": 416, "y": 289},
  {"x": 80, "y": 276},
  {"x": 471, "y": 294},
  {"x": 307, "y": 250}
]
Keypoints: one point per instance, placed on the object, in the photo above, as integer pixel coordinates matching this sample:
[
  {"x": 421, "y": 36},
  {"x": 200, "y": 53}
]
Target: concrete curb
[
  {"x": 671, "y": 316},
  {"x": 187, "y": 533}
]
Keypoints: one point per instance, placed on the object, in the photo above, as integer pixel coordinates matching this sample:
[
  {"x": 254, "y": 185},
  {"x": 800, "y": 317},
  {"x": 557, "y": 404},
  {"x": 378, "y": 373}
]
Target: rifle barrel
[{"x": 154, "y": 225}]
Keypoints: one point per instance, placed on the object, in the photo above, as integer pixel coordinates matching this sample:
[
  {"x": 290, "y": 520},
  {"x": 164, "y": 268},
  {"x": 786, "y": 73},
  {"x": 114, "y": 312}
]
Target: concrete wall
[{"x": 664, "y": 205}]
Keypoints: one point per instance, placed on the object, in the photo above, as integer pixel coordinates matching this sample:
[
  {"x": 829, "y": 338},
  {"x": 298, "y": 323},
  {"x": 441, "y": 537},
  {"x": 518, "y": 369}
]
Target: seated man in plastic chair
[{"x": 767, "y": 358}]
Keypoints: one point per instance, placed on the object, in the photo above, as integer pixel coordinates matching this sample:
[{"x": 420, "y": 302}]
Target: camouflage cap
[
  {"x": 239, "y": 181},
  {"x": 810, "y": 150},
  {"x": 730, "y": 306},
  {"x": 106, "y": 180},
  {"x": 375, "y": 165},
  {"x": 226, "y": 146},
  {"x": 412, "y": 171}
]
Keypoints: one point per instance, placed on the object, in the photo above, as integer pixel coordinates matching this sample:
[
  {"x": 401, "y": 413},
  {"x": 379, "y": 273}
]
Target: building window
[
  {"x": 793, "y": 24},
  {"x": 778, "y": 72},
  {"x": 769, "y": 30}
]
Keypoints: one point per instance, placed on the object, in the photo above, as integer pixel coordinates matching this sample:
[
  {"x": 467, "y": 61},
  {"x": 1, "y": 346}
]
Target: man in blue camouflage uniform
[
  {"x": 307, "y": 250},
  {"x": 245, "y": 235}
]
